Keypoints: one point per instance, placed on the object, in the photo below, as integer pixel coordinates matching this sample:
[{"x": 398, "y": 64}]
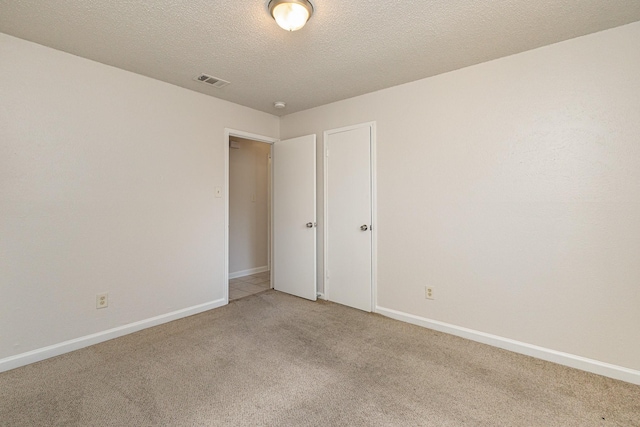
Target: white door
[
  {"x": 348, "y": 220},
  {"x": 294, "y": 216}
]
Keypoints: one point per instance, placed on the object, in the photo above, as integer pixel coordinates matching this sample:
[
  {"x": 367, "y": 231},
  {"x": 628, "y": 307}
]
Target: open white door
[{"x": 294, "y": 216}]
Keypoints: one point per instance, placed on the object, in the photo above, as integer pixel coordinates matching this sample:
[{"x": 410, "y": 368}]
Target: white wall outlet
[
  {"x": 429, "y": 292},
  {"x": 102, "y": 300},
  {"x": 218, "y": 191}
]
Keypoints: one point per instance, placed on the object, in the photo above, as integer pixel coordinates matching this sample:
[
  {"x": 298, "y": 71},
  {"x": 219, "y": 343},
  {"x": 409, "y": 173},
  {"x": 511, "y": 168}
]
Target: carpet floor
[{"x": 271, "y": 359}]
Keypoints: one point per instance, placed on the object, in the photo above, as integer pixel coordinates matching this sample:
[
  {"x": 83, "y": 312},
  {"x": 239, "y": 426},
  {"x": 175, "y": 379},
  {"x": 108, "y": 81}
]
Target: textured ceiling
[{"x": 349, "y": 47}]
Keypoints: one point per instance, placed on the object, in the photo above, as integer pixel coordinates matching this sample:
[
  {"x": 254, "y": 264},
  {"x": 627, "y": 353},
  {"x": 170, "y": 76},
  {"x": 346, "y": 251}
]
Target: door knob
[
  {"x": 309, "y": 225},
  {"x": 364, "y": 228}
]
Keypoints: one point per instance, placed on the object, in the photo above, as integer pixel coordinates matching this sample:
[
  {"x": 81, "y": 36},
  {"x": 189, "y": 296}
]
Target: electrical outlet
[
  {"x": 429, "y": 292},
  {"x": 102, "y": 300}
]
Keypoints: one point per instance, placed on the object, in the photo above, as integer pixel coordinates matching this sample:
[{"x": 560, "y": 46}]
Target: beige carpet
[{"x": 275, "y": 360}]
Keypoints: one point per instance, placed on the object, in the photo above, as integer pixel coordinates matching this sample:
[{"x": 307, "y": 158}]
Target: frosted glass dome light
[{"x": 291, "y": 15}]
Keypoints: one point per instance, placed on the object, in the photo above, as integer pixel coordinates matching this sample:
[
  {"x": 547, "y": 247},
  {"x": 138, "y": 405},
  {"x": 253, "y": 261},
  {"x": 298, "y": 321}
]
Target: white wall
[
  {"x": 106, "y": 185},
  {"x": 248, "y": 206},
  {"x": 513, "y": 188}
]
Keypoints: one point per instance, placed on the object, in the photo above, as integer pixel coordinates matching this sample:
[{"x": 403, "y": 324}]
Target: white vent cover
[{"x": 210, "y": 80}]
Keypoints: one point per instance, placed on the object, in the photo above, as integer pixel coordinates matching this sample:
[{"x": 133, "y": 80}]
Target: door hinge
[{"x": 327, "y": 153}]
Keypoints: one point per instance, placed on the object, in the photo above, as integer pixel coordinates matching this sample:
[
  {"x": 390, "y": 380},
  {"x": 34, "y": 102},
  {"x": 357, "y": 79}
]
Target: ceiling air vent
[{"x": 210, "y": 80}]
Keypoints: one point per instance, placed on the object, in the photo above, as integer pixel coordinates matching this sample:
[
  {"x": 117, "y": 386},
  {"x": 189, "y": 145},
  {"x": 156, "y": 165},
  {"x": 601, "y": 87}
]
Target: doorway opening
[
  {"x": 248, "y": 214},
  {"x": 292, "y": 221}
]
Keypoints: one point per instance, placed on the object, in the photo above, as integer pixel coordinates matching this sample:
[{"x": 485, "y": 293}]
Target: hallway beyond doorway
[{"x": 248, "y": 285}]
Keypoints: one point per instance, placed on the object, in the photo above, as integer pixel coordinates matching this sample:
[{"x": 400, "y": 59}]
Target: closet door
[{"x": 348, "y": 220}]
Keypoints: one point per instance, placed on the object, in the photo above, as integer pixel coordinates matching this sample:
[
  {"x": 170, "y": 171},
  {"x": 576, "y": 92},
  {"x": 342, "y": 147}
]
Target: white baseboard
[
  {"x": 566, "y": 359},
  {"x": 248, "y": 272},
  {"x": 39, "y": 354}
]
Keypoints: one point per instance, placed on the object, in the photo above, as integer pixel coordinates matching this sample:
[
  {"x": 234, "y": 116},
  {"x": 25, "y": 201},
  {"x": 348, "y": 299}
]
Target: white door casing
[
  {"x": 349, "y": 216},
  {"x": 294, "y": 216}
]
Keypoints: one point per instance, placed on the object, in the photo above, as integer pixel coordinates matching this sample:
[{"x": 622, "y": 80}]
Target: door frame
[
  {"x": 374, "y": 210},
  {"x": 255, "y": 137}
]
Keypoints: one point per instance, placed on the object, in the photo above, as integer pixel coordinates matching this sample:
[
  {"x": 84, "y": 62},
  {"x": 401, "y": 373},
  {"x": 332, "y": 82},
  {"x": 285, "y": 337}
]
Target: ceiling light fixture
[{"x": 291, "y": 15}]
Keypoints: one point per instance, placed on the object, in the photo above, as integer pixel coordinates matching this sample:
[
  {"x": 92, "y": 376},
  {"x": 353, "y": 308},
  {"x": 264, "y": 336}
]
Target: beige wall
[
  {"x": 513, "y": 188},
  {"x": 248, "y": 206},
  {"x": 106, "y": 185}
]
